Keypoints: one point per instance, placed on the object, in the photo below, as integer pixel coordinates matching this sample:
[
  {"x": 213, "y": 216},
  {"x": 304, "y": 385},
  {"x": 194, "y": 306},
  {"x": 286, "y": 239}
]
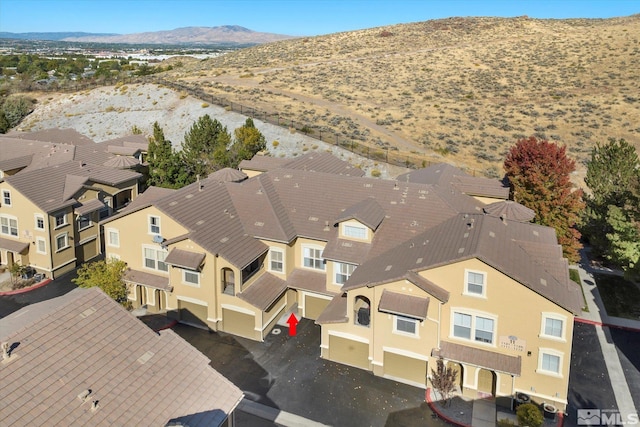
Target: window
[
  {"x": 405, "y": 325},
  {"x": 342, "y": 272},
  {"x": 474, "y": 327},
  {"x": 84, "y": 222},
  {"x": 475, "y": 284},
  {"x": 103, "y": 213},
  {"x": 154, "y": 225},
  {"x": 354, "y": 231},
  {"x": 41, "y": 245},
  {"x": 191, "y": 277},
  {"x": 6, "y": 197},
  {"x": 550, "y": 361},
  {"x": 154, "y": 259},
  {"x": 62, "y": 241},
  {"x": 462, "y": 325},
  {"x": 39, "y": 222},
  {"x": 552, "y": 326},
  {"x": 276, "y": 260},
  {"x": 61, "y": 219},
  {"x": 9, "y": 226},
  {"x": 312, "y": 258},
  {"x": 113, "y": 237}
]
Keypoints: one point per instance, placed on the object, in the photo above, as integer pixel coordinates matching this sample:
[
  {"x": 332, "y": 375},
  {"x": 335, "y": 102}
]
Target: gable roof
[
  {"x": 367, "y": 212},
  {"x": 18, "y": 153},
  {"x": 505, "y": 246},
  {"x": 54, "y": 135},
  {"x": 315, "y": 161},
  {"x": 84, "y": 343},
  {"x": 52, "y": 188}
]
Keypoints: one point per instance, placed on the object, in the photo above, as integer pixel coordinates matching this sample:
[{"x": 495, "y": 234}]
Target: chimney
[
  {"x": 83, "y": 396},
  {"x": 326, "y": 226},
  {"x": 503, "y": 218},
  {"x": 94, "y": 405},
  {"x": 470, "y": 223}
]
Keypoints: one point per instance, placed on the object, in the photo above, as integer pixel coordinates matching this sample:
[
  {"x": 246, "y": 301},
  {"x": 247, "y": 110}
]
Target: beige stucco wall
[{"x": 518, "y": 312}]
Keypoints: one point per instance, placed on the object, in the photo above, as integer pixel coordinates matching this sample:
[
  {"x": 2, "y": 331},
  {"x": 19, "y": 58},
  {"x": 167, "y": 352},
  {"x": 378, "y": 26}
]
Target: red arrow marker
[{"x": 292, "y": 321}]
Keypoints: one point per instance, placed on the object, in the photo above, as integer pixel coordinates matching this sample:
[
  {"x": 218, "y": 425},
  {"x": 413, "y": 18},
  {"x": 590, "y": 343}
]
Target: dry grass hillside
[{"x": 462, "y": 89}]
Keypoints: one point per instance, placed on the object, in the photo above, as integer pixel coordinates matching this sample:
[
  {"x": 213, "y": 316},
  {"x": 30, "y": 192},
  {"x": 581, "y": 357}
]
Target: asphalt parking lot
[{"x": 287, "y": 373}]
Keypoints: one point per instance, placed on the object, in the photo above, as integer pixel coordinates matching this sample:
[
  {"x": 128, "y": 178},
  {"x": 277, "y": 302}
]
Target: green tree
[
  {"x": 612, "y": 217},
  {"x": 539, "y": 176},
  {"x": 164, "y": 163},
  {"x": 4, "y": 123},
  {"x": 529, "y": 415},
  {"x": 107, "y": 275},
  {"x": 205, "y": 148},
  {"x": 247, "y": 142},
  {"x": 16, "y": 108}
]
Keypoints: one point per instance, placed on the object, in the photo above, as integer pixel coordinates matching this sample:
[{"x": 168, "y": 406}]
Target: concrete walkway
[
  {"x": 484, "y": 413},
  {"x": 598, "y": 315}
]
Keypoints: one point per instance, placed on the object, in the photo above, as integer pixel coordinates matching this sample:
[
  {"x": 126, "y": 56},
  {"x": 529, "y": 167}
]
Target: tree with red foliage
[{"x": 538, "y": 173}]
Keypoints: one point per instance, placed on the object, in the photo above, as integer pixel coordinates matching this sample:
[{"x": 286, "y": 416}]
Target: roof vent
[
  {"x": 470, "y": 223},
  {"x": 84, "y": 395},
  {"x": 395, "y": 185},
  {"x": 388, "y": 267},
  {"x": 94, "y": 405},
  {"x": 326, "y": 226},
  {"x": 6, "y": 351}
]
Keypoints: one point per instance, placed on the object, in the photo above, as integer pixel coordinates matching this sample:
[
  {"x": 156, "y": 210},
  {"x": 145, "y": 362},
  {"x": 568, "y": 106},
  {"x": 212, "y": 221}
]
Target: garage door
[
  {"x": 314, "y": 306},
  {"x": 87, "y": 251},
  {"x": 238, "y": 323},
  {"x": 349, "y": 352},
  {"x": 406, "y": 368},
  {"x": 193, "y": 314}
]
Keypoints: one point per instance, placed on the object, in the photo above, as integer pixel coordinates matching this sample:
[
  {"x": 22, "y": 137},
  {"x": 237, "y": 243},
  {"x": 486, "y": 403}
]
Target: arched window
[
  {"x": 228, "y": 281},
  {"x": 362, "y": 311}
]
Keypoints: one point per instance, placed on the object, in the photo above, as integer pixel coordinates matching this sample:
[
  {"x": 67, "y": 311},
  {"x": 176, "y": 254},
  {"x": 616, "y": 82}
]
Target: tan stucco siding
[
  {"x": 488, "y": 200},
  {"x": 314, "y": 305},
  {"x": 508, "y": 303},
  {"x": 405, "y": 368},
  {"x": 355, "y": 223},
  {"x": 238, "y": 323},
  {"x": 348, "y": 351}
]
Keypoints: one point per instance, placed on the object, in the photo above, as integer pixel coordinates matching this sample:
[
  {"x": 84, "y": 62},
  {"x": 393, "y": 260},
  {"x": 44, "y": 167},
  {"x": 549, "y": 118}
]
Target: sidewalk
[{"x": 597, "y": 315}]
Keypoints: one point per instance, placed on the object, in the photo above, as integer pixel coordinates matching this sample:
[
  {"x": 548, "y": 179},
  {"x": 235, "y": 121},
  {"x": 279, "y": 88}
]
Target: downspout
[{"x": 513, "y": 390}]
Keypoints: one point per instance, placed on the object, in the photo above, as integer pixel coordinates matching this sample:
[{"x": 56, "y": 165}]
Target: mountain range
[{"x": 225, "y": 34}]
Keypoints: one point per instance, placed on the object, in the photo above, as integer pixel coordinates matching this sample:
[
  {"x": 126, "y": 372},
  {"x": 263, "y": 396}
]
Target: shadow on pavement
[{"x": 628, "y": 345}]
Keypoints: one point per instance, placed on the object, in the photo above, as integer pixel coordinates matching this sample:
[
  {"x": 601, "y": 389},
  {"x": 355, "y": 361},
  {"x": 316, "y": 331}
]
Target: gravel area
[{"x": 111, "y": 112}]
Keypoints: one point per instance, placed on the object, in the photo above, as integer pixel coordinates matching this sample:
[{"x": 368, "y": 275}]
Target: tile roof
[
  {"x": 122, "y": 150},
  {"x": 16, "y": 162},
  {"x": 316, "y": 162},
  {"x": 336, "y": 311},
  {"x": 63, "y": 181},
  {"x": 367, "y": 212},
  {"x": 137, "y": 277},
  {"x": 184, "y": 259},
  {"x": 484, "y": 358},
  {"x": 143, "y": 200},
  {"x": 15, "y": 152},
  {"x": 228, "y": 175},
  {"x": 263, "y": 163},
  {"x": 13, "y": 245},
  {"x": 405, "y": 305},
  {"x": 264, "y": 291},
  {"x": 444, "y": 175},
  {"x": 54, "y": 135},
  {"x": 308, "y": 280},
  {"x": 499, "y": 244},
  {"x": 344, "y": 250},
  {"x": 85, "y": 344},
  {"x": 510, "y": 210},
  {"x": 89, "y": 206},
  {"x": 122, "y": 162}
]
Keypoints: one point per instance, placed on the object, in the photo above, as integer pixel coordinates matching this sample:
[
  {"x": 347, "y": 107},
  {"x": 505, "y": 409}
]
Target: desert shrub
[
  {"x": 375, "y": 173},
  {"x": 109, "y": 109},
  {"x": 204, "y": 105},
  {"x": 275, "y": 144},
  {"x": 16, "y": 108},
  {"x": 529, "y": 415}
]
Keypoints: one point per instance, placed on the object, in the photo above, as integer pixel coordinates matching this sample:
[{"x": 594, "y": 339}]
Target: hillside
[{"x": 458, "y": 89}]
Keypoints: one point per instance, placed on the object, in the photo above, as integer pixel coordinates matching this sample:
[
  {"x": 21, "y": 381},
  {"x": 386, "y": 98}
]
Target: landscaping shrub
[{"x": 529, "y": 415}]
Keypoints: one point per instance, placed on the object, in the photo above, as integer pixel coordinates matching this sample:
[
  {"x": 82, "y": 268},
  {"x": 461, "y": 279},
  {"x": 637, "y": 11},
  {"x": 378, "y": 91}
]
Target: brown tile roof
[
  {"x": 122, "y": 150},
  {"x": 89, "y": 206},
  {"x": 317, "y": 162},
  {"x": 122, "y": 162},
  {"x": 85, "y": 341},
  {"x": 63, "y": 181},
  {"x": 13, "y": 245},
  {"x": 428, "y": 286},
  {"x": 483, "y": 358},
  {"x": 367, "y": 211},
  {"x": 54, "y": 135},
  {"x": 336, "y": 311},
  {"x": 184, "y": 259},
  {"x": 487, "y": 238},
  {"x": 405, "y": 305},
  {"x": 264, "y": 291},
  {"x": 16, "y": 162},
  {"x": 445, "y": 175},
  {"x": 138, "y": 277},
  {"x": 343, "y": 250},
  {"x": 143, "y": 200},
  {"x": 42, "y": 154},
  {"x": 228, "y": 175},
  {"x": 263, "y": 163},
  {"x": 510, "y": 210},
  {"x": 307, "y": 280}
]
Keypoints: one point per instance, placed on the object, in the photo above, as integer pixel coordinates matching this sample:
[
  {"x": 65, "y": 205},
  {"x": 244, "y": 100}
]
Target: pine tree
[
  {"x": 164, "y": 163},
  {"x": 204, "y": 148},
  {"x": 539, "y": 175},
  {"x": 612, "y": 218}
]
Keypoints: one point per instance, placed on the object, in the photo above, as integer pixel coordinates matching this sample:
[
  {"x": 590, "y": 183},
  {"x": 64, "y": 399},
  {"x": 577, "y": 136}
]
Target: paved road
[{"x": 58, "y": 287}]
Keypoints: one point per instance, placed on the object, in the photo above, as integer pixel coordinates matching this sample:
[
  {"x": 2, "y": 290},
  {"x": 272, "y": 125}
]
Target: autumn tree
[
  {"x": 107, "y": 275},
  {"x": 165, "y": 168},
  {"x": 248, "y": 141},
  {"x": 539, "y": 175},
  {"x": 204, "y": 148},
  {"x": 612, "y": 217},
  {"x": 443, "y": 379}
]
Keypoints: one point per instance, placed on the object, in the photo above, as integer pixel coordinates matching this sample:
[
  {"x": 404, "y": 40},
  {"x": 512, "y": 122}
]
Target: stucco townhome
[{"x": 396, "y": 272}]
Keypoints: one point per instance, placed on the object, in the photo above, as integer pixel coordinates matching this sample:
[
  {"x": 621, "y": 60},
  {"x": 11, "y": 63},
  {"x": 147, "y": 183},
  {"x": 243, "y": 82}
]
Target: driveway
[
  {"x": 287, "y": 373},
  {"x": 56, "y": 288}
]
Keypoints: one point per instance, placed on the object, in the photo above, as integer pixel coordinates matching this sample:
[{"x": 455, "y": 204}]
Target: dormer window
[{"x": 354, "y": 231}]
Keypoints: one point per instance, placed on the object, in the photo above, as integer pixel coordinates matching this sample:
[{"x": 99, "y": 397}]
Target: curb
[
  {"x": 427, "y": 396},
  {"x": 167, "y": 326},
  {"x": 24, "y": 290},
  {"x": 609, "y": 325}
]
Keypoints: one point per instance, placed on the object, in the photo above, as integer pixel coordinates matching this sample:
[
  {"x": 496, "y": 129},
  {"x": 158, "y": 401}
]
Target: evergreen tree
[
  {"x": 204, "y": 148},
  {"x": 612, "y": 219},
  {"x": 539, "y": 175},
  {"x": 248, "y": 141},
  {"x": 164, "y": 164}
]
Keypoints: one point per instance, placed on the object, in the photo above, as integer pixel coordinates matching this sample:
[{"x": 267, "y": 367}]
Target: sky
[{"x": 291, "y": 17}]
